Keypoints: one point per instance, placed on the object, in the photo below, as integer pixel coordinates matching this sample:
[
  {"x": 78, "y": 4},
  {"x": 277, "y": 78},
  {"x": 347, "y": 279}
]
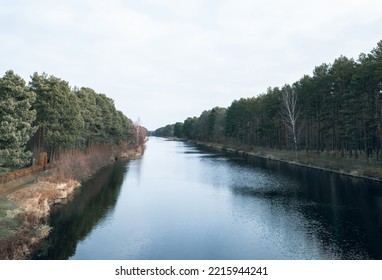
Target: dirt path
[
  {"x": 8, "y": 225},
  {"x": 18, "y": 237},
  {"x": 10, "y": 187}
]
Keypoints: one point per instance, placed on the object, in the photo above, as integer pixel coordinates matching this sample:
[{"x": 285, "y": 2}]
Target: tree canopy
[
  {"x": 48, "y": 115},
  {"x": 339, "y": 108},
  {"x": 16, "y": 120}
]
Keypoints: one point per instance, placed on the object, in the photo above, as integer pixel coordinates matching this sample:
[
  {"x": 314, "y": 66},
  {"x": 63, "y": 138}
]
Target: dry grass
[
  {"x": 132, "y": 153},
  {"x": 80, "y": 165},
  {"x": 35, "y": 201},
  {"x": 34, "y": 207},
  {"x": 331, "y": 160},
  {"x": 21, "y": 245},
  {"x": 357, "y": 167}
]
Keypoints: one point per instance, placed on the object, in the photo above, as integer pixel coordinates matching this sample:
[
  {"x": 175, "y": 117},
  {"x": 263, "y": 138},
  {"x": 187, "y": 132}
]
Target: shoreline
[
  {"x": 33, "y": 203},
  {"x": 222, "y": 148}
]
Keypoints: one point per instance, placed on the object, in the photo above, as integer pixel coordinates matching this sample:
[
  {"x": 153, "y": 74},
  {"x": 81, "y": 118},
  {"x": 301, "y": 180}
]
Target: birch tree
[{"x": 290, "y": 113}]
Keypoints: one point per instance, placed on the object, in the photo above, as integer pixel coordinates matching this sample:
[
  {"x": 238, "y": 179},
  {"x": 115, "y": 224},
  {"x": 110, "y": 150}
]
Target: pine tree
[
  {"x": 58, "y": 113},
  {"x": 16, "y": 118}
]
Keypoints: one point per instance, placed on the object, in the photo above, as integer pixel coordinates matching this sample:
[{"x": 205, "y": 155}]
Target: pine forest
[{"x": 336, "y": 110}]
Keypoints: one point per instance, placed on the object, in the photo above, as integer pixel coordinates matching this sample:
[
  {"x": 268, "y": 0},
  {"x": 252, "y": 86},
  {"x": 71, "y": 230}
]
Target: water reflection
[
  {"x": 180, "y": 202},
  {"x": 91, "y": 207},
  {"x": 339, "y": 215}
]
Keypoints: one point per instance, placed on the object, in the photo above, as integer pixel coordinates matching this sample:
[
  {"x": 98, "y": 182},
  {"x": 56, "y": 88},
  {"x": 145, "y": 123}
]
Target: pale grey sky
[{"x": 165, "y": 60}]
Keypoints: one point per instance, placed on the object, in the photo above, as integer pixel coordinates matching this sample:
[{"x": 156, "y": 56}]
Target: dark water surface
[{"x": 180, "y": 202}]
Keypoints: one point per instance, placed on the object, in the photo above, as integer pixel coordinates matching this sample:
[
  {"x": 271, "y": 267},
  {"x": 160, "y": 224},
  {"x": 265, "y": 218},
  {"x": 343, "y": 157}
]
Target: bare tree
[{"x": 290, "y": 113}]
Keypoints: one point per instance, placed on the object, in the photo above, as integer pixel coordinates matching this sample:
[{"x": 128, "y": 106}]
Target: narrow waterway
[{"x": 180, "y": 202}]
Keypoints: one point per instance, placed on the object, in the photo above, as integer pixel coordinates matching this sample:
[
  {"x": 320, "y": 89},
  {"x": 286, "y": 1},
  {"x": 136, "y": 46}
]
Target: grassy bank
[
  {"x": 26, "y": 210},
  {"x": 331, "y": 161}
]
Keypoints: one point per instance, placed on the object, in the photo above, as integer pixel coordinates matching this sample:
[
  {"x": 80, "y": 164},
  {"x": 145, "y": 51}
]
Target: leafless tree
[{"x": 290, "y": 113}]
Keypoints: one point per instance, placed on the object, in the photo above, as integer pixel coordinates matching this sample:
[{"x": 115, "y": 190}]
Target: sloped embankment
[
  {"x": 26, "y": 209},
  {"x": 26, "y": 217}
]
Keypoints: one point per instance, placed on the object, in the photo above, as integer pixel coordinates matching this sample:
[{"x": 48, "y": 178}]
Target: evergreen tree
[
  {"x": 217, "y": 119},
  {"x": 16, "y": 118},
  {"x": 340, "y": 110},
  {"x": 178, "y": 130},
  {"x": 58, "y": 113},
  {"x": 92, "y": 132}
]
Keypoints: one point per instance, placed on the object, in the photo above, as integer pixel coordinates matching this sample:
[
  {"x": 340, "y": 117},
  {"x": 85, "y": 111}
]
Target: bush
[{"x": 79, "y": 165}]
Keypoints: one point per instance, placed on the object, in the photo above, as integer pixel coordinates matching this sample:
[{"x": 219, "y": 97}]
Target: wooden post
[{"x": 43, "y": 160}]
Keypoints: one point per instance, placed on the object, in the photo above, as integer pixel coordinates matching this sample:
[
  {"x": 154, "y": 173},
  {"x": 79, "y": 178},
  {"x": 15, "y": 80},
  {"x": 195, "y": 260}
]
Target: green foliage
[
  {"x": 102, "y": 122},
  {"x": 216, "y": 124},
  {"x": 50, "y": 116},
  {"x": 167, "y": 131},
  {"x": 78, "y": 118},
  {"x": 189, "y": 128},
  {"x": 340, "y": 109},
  {"x": 58, "y": 111},
  {"x": 93, "y": 125},
  {"x": 16, "y": 118},
  {"x": 178, "y": 130}
]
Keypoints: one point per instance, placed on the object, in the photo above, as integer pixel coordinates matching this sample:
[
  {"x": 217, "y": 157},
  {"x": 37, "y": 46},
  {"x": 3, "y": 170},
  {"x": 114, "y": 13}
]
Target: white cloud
[
  {"x": 181, "y": 10},
  {"x": 174, "y": 58}
]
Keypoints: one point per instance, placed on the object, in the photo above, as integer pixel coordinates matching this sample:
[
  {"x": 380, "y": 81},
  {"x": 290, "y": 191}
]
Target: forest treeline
[
  {"x": 48, "y": 115},
  {"x": 338, "y": 108}
]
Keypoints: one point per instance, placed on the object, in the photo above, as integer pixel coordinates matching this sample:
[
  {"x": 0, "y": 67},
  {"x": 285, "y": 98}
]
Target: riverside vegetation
[
  {"x": 80, "y": 131},
  {"x": 332, "y": 119}
]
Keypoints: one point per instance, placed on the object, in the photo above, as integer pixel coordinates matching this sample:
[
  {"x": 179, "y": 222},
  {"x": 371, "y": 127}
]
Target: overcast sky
[{"x": 165, "y": 60}]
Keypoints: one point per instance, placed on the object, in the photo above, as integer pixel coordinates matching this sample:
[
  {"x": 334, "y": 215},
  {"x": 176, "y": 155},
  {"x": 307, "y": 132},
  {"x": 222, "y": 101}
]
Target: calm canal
[{"x": 181, "y": 202}]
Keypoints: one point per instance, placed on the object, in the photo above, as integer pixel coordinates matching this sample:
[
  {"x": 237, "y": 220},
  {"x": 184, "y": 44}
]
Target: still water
[{"x": 181, "y": 202}]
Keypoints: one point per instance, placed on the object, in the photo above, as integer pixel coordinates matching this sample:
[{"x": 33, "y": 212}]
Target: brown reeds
[
  {"x": 21, "y": 245},
  {"x": 79, "y": 165},
  {"x": 35, "y": 201}
]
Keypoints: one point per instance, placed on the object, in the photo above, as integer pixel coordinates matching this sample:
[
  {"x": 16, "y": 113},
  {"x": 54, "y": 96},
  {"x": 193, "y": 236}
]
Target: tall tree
[
  {"x": 322, "y": 89},
  {"x": 218, "y": 129},
  {"x": 16, "y": 118},
  {"x": 178, "y": 130},
  {"x": 339, "y": 108},
  {"x": 290, "y": 112},
  {"x": 92, "y": 132},
  {"x": 58, "y": 113}
]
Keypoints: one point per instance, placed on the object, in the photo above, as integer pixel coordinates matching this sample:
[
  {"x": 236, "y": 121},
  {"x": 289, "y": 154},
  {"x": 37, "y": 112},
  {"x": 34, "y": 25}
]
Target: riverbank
[
  {"x": 327, "y": 161},
  {"x": 207, "y": 206},
  {"x": 25, "y": 210},
  {"x": 27, "y": 215}
]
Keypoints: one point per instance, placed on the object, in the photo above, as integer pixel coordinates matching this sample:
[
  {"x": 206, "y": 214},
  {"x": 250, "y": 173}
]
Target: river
[{"x": 182, "y": 202}]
